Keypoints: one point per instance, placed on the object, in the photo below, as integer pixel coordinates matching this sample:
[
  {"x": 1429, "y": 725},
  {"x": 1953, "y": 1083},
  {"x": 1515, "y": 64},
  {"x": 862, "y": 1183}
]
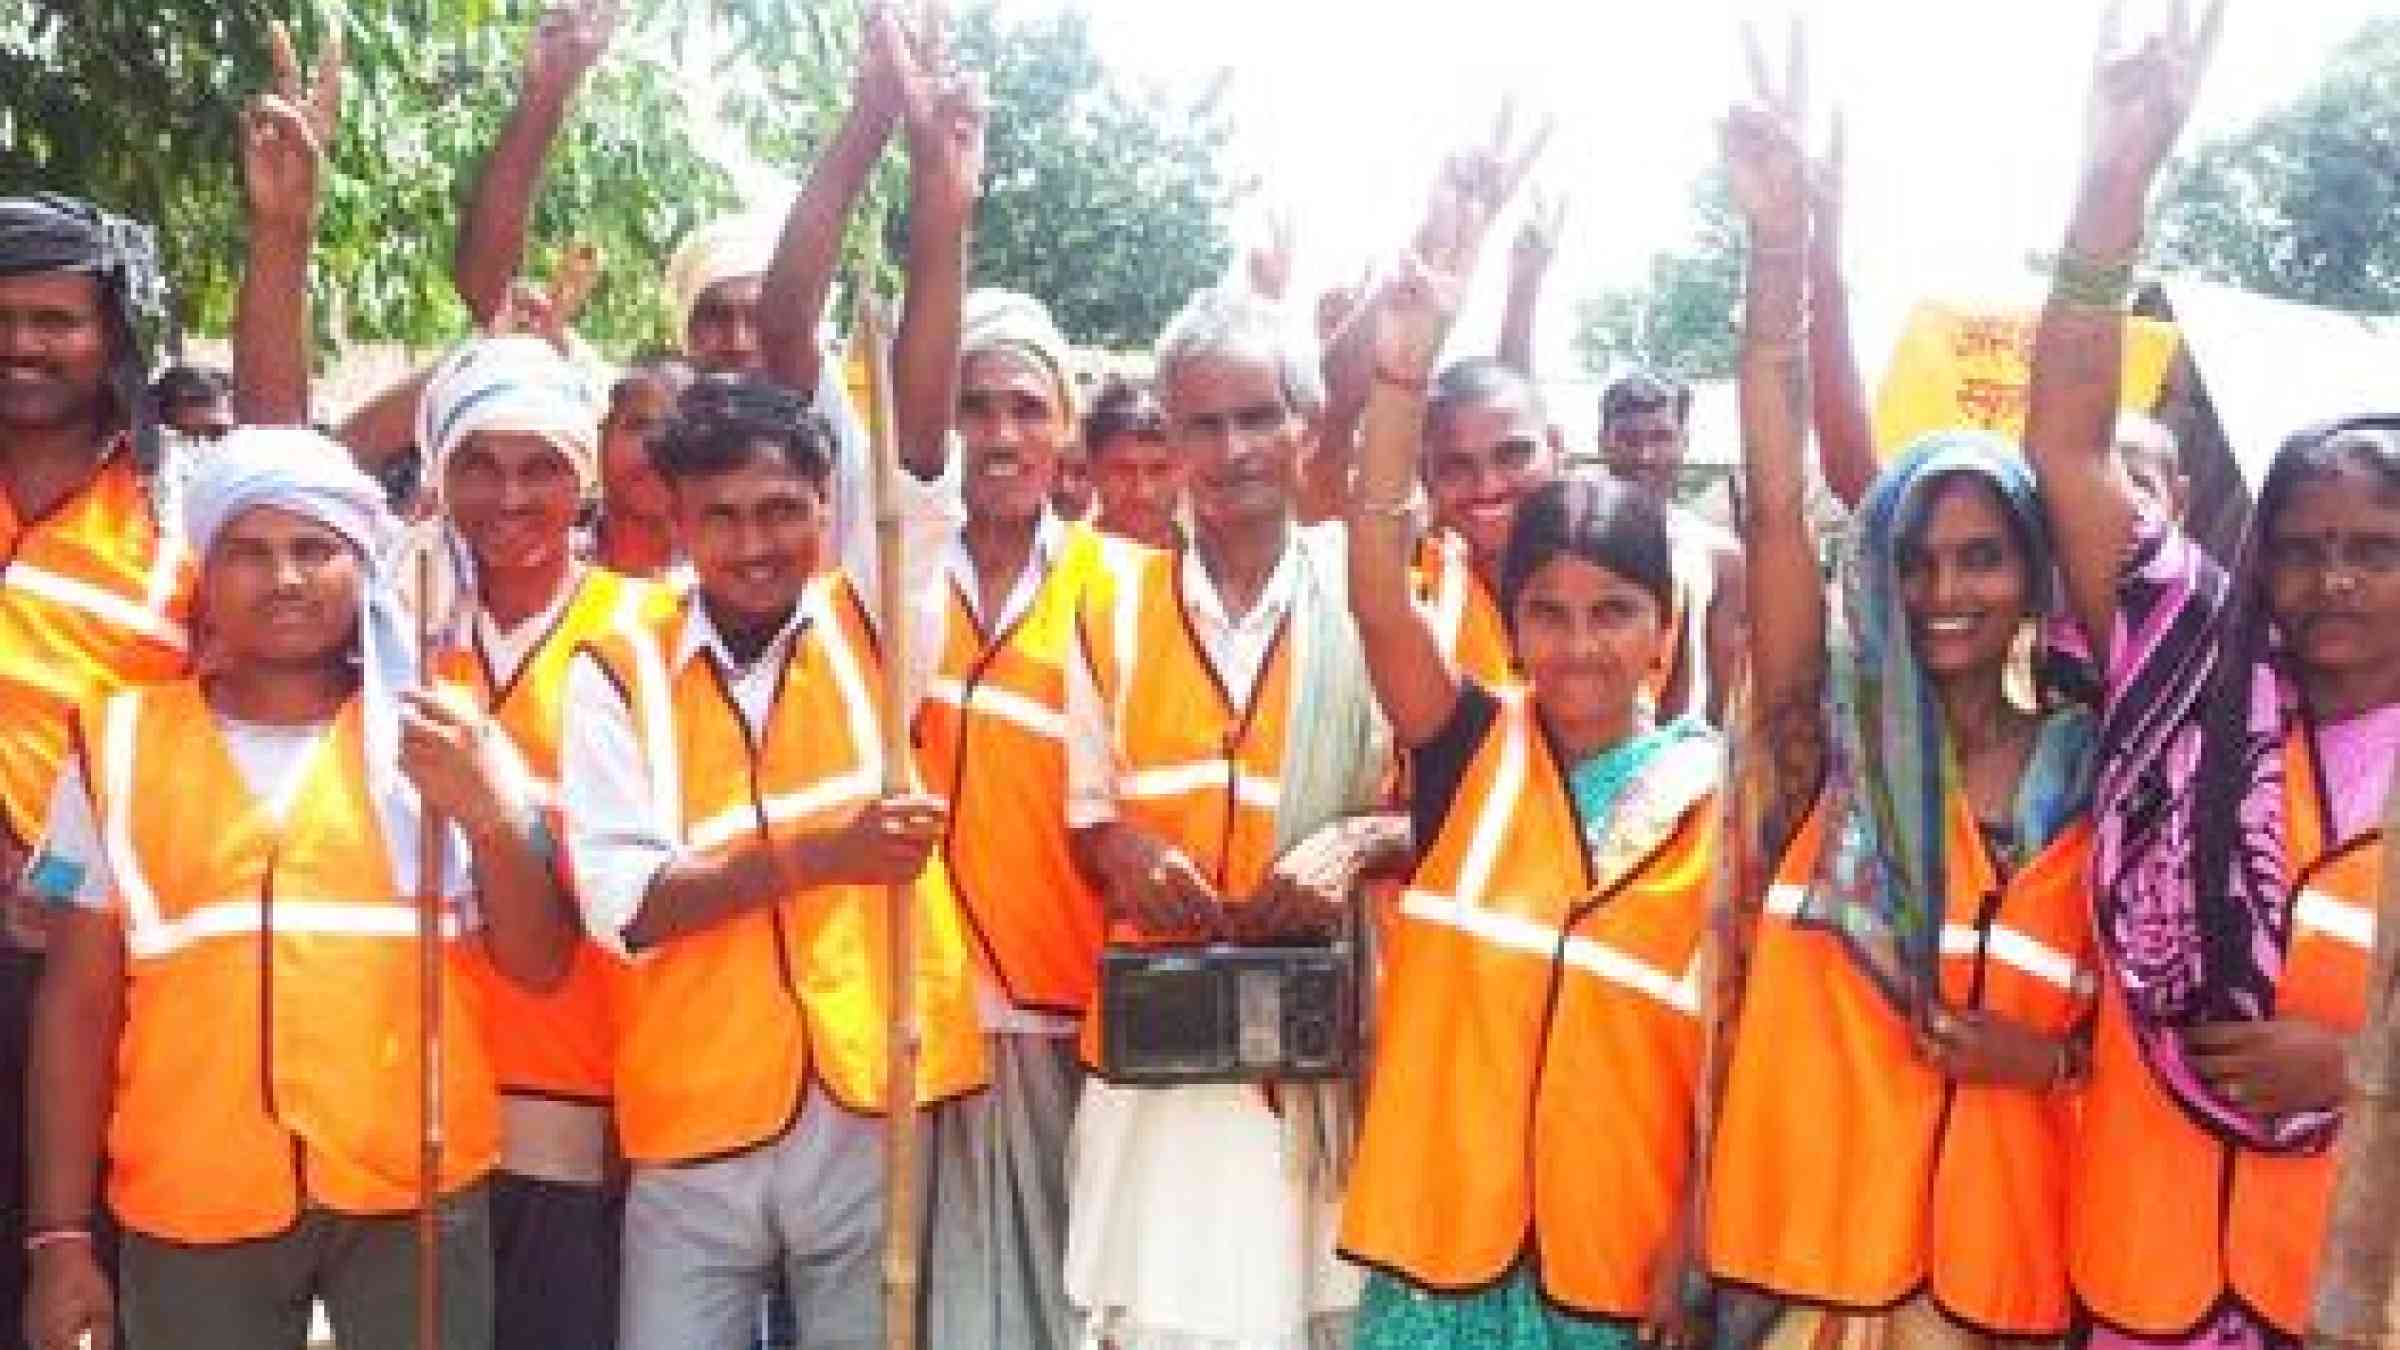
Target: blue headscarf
[{"x": 1883, "y": 873}]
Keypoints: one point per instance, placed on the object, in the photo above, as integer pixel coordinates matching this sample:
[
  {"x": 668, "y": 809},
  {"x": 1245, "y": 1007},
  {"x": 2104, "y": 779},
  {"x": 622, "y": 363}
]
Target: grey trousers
[
  {"x": 997, "y": 1203},
  {"x": 703, "y": 1241},
  {"x": 256, "y": 1295}
]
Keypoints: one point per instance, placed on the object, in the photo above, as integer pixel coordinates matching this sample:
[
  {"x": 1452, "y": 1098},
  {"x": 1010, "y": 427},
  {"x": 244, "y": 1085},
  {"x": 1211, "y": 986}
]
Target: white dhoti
[{"x": 1188, "y": 1229}]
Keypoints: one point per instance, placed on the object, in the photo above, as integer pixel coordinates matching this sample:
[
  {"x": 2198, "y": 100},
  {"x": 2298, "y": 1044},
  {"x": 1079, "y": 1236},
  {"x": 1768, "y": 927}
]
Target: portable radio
[{"x": 1228, "y": 1014}]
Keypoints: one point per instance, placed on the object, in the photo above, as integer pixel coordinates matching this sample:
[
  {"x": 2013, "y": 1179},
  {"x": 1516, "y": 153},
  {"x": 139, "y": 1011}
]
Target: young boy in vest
[
  {"x": 231, "y": 1013},
  {"x": 509, "y": 431},
  {"x": 723, "y": 776}
]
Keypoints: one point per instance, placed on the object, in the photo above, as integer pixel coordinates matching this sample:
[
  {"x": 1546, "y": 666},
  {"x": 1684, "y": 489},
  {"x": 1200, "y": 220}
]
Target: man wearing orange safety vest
[
  {"x": 723, "y": 771},
  {"x": 991, "y": 738},
  {"x": 508, "y": 430},
  {"x": 230, "y": 1026},
  {"x": 91, "y": 599},
  {"x": 1487, "y": 444}
]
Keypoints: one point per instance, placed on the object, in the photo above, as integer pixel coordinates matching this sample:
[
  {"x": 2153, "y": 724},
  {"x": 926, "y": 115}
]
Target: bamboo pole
[
  {"x": 2357, "y": 1305},
  {"x": 900, "y": 1272},
  {"x": 429, "y": 1014}
]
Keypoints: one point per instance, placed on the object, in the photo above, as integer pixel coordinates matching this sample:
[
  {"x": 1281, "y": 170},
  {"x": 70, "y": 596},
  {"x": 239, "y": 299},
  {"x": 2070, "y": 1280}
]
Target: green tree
[
  {"x": 1681, "y": 321},
  {"x": 134, "y": 103},
  {"x": 2301, "y": 204}
]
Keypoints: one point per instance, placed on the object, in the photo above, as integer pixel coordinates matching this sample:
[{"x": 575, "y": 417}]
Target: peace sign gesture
[
  {"x": 287, "y": 131},
  {"x": 1536, "y": 244},
  {"x": 1763, "y": 160},
  {"x": 1423, "y": 293},
  {"x": 2141, "y": 96},
  {"x": 568, "y": 40}
]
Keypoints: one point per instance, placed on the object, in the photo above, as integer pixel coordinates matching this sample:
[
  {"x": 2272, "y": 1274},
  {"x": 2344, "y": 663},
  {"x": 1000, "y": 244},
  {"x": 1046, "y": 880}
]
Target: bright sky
[{"x": 1963, "y": 120}]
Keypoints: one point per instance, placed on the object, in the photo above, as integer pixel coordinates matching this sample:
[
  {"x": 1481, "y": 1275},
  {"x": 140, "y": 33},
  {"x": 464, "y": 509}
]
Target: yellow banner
[{"x": 1971, "y": 367}]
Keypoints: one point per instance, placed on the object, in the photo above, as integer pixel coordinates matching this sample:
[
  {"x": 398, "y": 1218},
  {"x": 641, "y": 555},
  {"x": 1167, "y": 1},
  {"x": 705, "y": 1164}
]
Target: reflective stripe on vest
[
  {"x": 1466, "y": 623},
  {"x": 270, "y": 1040},
  {"x": 1848, "y": 1172},
  {"x": 2155, "y": 1248},
  {"x": 1538, "y": 1049},
  {"x": 559, "y": 1043},
  {"x": 91, "y": 597},
  {"x": 721, "y": 1030},
  {"x": 991, "y": 737}
]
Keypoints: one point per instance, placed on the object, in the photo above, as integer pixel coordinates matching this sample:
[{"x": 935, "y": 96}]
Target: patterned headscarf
[
  {"x": 50, "y": 233},
  {"x": 1882, "y": 874}
]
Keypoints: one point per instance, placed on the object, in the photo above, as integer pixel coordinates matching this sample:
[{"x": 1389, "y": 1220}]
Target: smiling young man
[
  {"x": 509, "y": 429},
  {"x": 1487, "y": 444},
  {"x": 723, "y": 774}
]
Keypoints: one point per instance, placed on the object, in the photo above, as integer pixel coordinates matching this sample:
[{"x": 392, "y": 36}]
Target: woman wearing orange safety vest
[
  {"x": 2252, "y": 720},
  {"x": 1890, "y": 1153},
  {"x": 1521, "y": 1177}
]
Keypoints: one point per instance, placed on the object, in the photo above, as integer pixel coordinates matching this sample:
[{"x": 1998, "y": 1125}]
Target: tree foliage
[
  {"x": 2301, "y": 204},
  {"x": 1104, "y": 203},
  {"x": 1682, "y": 320}
]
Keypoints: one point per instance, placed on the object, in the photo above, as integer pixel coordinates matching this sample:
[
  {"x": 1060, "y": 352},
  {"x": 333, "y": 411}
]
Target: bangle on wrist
[
  {"x": 2096, "y": 283},
  {"x": 55, "y": 1236},
  {"x": 1394, "y": 508},
  {"x": 1414, "y": 384}
]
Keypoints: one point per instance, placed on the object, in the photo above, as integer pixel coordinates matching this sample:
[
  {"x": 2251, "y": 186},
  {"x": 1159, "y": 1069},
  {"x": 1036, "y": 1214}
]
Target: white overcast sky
[{"x": 1963, "y": 118}]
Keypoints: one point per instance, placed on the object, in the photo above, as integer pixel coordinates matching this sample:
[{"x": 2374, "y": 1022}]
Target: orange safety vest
[
  {"x": 92, "y": 600},
  {"x": 2170, "y": 1220},
  {"x": 1539, "y": 1034},
  {"x": 1846, "y": 1170},
  {"x": 991, "y": 737},
  {"x": 271, "y": 1046},
  {"x": 719, "y": 1031},
  {"x": 1467, "y": 624},
  {"x": 554, "y": 1044}
]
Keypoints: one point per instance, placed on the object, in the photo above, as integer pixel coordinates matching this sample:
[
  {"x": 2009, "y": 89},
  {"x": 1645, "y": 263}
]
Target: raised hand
[
  {"x": 1423, "y": 293},
  {"x": 1763, "y": 161},
  {"x": 2142, "y": 95},
  {"x": 1827, "y": 176},
  {"x": 568, "y": 40},
  {"x": 287, "y": 130},
  {"x": 1269, "y": 261},
  {"x": 1536, "y": 245}
]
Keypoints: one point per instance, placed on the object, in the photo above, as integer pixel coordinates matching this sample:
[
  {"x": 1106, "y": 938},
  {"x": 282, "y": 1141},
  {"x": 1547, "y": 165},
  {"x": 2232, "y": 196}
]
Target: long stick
[
  {"x": 429, "y": 1014},
  {"x": 900, "y": 1275},
  {"x": 2357, "y": 1304}
]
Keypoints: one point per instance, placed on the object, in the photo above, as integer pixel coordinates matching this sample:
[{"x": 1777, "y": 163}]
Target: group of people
[{"x": 1959, "y": 954}]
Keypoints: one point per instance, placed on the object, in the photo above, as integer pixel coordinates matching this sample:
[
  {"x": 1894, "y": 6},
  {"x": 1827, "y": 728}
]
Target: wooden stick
[
  {"x": 2358, "y": 1284},
  {"x": 900, "y": 1274},
  {"x": 429, "y": 1013}
]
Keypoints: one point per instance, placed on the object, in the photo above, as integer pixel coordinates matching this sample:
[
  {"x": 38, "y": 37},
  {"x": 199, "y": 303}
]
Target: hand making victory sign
[
  {"x": 287, "y": 132},
  {"x": 1423, "y": 294}
]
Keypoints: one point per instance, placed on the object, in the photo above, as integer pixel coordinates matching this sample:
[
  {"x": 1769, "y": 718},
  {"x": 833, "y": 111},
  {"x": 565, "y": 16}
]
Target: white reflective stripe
[
  {"x": 1007, "y": 705},
  {"x": 1586, "y": 954},
  {"x": 656, "y": 709},
  {"x": 858, "y": 785},
  {"x": 1449, "y": 601},
  {"x": 2321, "y": 912},
  {"x": 1491, "y": 825},
  {"x": 866, "y": 731},
  {"x": 166, "y": 568},
  {"x": 116, "y": 777},
  {"x": 2015, "y": 947},
  {"x": 1784, "y": 899},
  {"x": 1176, "y": 780},
  {"x": 116, "y": 609},
  {"x": 235, "y": 918}
]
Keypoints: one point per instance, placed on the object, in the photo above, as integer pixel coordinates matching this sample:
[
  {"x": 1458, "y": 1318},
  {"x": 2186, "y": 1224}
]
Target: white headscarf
[
  {"x": 517, "y": 384},
  {"x": 300, "y": 471},
  {"x": 725, "y": 249},
  {"x": 998, "y": 320}
]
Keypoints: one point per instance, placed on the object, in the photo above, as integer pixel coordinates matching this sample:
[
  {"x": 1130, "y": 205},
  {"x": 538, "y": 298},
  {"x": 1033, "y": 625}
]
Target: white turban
[
  {"x": 725, "y": 249},
  {"x": 517, "y": 384},
  {"x": 998, "y": 320},
  {"x": 307, "y": 474}
]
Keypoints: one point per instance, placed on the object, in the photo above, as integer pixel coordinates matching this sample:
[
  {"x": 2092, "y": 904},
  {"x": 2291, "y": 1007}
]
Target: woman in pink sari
[{"x": 2250, "y": 721}]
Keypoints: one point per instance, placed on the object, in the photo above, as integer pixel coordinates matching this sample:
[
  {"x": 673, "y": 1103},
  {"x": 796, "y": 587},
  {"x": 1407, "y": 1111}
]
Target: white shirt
[
  {"x": 613, "y": 836},
  {"x": 1235, "y": 646},
  {"x": 506, "y": 650}
]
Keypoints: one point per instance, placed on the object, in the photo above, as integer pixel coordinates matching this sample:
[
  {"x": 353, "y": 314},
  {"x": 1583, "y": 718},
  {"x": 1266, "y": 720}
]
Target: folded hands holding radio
[{"x": 1155, "y": 887}]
